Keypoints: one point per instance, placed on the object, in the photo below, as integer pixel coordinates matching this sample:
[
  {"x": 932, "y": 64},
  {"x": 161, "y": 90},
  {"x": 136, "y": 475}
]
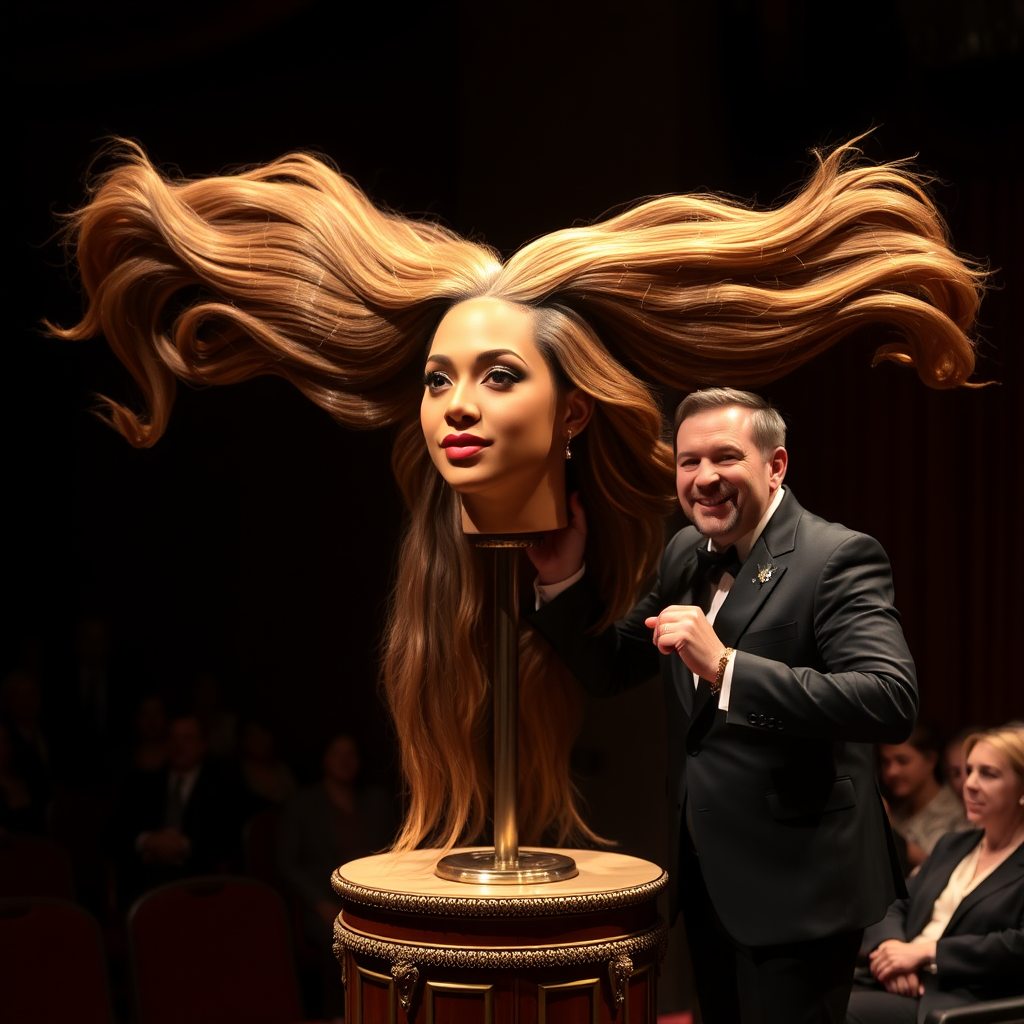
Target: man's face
[
  {"x": 185, "y": 744},
  {"x": 724, "y": 483}
]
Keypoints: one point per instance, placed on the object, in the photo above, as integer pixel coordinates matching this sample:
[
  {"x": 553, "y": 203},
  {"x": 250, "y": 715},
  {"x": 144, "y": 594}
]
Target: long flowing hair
[{"x": 289, "y": 269}]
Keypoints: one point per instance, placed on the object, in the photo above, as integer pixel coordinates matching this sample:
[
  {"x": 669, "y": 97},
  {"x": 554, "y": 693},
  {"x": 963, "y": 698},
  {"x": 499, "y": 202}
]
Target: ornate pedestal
[{"x": 417, "y": 948}]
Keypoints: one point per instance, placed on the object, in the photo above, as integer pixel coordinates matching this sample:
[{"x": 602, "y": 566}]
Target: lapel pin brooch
[{"x": 764, "y": 574}]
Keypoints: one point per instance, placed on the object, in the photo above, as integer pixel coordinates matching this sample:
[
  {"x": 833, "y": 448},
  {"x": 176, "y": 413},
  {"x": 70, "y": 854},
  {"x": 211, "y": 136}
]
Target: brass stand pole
[
  {"x": 505, "y": 676},
  {"x": 506, "y": 864}
]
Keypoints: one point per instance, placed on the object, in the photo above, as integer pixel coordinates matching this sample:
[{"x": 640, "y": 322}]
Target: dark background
[{"x": 256, "y": 539}]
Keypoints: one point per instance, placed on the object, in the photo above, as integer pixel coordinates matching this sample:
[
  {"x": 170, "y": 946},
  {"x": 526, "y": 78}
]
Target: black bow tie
[{"x": 720, "y": 562}]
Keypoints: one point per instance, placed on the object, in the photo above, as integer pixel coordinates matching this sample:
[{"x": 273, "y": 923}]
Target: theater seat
[
  {"x": 52, "y": 965},
  {"x": 213, "y": 949},
  {"x": 995, "y": 1011}
]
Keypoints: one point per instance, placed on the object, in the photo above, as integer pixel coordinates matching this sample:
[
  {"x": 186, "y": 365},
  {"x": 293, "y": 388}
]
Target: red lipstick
[{"x": 459, "y": 447}]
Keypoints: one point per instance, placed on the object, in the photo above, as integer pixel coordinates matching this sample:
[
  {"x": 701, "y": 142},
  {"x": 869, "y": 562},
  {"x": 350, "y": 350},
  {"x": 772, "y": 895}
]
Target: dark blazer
[
  {"x": 981, "y": 953},
  {"x": 793, "y": 840},
  {"x": 212, "y": 822}
]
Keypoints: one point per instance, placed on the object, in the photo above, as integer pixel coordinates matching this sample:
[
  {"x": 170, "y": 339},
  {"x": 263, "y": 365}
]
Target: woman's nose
[{"x": 461, "y": 408}]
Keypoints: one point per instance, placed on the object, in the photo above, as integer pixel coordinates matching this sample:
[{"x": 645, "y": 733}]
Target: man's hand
[
  {"x": 684, "y": 628},
  {"x": 167, "y": 846},
  {"x": 561, "y": 554}
]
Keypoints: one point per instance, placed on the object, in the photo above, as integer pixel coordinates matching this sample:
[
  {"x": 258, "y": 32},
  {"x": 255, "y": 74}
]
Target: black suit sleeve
[
  {"x": 603, "y": 662},
  {"x": 963, "y": 960}
]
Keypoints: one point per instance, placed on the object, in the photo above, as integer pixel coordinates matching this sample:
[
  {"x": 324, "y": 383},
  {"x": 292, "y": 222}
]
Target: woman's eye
[
  {"x": 435, "y": 379},
  {"x": 502, "y": 377}
]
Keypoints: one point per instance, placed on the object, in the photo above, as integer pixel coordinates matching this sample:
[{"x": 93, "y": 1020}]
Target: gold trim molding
[
  {"x": 497, "y": 906},
  {"x": 503, "y": 959}
]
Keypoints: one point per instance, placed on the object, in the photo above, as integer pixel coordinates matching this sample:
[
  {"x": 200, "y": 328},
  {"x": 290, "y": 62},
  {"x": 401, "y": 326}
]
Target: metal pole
[
  {"x": 505, "y": 864},
  {"x": 506, "y": 708}
]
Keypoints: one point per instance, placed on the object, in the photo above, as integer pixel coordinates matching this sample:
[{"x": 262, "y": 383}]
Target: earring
[{"x": 568, "y": 453}]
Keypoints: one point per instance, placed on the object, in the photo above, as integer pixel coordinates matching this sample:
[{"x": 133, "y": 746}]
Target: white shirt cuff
[{"x": 545, "y": 593}]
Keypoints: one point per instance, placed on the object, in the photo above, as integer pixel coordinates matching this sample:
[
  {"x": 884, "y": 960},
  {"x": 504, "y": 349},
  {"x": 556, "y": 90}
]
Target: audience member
[
  {"x": 920, "y": 808},
  {"x": 89, "y": 708},
  {"x": 322, "y": 827},
  {"x": 266, "y": 774},
  {"x": 21, "y": 712},
  {"x": 958, "y": 938},
  {"x": 19, "y": 811},
  {"x": 220, "y": 723},
  {"x": 954, "y": 760},
  {"x": 184, "y": 819},
  {"x": 149, "y": 749}
]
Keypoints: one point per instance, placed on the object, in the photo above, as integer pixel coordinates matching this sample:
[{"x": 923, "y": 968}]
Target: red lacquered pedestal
[{"x": 417, "y": 949}]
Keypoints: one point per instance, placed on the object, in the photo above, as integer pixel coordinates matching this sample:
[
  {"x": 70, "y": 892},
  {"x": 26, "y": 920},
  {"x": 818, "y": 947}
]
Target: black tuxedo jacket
[
  {"x": 212, "y": 818},
  {"x": 792, "y": 836},
  {"x": 981, "y": 953}
]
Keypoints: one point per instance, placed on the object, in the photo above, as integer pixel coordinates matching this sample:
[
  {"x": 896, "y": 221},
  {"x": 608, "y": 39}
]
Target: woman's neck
[{"x": 1003, "y": 836}]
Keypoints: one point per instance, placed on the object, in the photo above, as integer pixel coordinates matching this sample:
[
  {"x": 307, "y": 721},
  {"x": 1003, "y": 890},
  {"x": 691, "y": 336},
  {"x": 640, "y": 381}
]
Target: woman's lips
[{"x": 458, "y": 447}]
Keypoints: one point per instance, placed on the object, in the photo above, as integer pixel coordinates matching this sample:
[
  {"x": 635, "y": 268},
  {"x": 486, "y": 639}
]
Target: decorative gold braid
[
  {"x": 497, "y": 906},
  {"x": 501, "y": 959}
]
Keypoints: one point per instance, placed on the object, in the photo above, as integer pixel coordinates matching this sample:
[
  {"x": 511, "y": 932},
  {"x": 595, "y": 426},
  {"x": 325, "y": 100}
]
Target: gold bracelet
[{"x": 723, "y": 664}]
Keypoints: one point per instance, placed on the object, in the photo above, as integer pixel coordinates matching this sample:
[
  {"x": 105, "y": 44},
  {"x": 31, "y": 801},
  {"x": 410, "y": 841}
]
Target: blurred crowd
[{"x": 140, "y": 785}]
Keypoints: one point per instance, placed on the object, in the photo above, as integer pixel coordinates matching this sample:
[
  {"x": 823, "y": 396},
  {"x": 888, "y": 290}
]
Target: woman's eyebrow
[
  {"x": 496, "y": 353},
  {"x": 434, "y": 358},
  {"x": 482, "y": 357}
]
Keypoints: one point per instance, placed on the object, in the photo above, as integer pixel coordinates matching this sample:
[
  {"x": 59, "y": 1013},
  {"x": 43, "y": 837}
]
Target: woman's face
[
  {"x": 992, "y": 790},
  {"x": 491, "y": 410},
  {"x": 904, "y": 769}
]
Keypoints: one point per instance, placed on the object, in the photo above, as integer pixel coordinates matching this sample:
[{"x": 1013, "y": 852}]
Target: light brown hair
[{"x": 289, "y": 269}]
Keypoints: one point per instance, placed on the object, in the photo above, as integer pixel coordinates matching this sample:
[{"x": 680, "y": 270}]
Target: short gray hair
[{"x": 767, "y": 427}]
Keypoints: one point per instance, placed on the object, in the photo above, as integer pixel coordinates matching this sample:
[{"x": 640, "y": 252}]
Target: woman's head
[
  {"x": 994, "y": 786},
  {"x": 497, "y": 417}
]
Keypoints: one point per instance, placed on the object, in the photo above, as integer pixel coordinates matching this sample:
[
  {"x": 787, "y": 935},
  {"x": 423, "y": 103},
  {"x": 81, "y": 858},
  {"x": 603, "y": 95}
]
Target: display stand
[
  {"x": 505, "y": 863},
  {"x": 500, "y": 935},
  {"x": 415, "y": 947}
]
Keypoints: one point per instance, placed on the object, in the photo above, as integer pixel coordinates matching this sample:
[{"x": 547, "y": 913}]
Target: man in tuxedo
[
  {"x": 783, "y": 660},
  {"x": 182, "y": 821}
]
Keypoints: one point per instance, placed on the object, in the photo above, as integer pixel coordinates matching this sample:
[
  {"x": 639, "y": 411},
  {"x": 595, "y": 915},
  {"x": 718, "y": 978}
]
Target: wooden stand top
[{"x": 406, "y": 882}]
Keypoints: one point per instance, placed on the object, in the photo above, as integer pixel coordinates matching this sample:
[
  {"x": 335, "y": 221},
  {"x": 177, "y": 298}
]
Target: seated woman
[
  {"x": 958, "y": 938},
  {"x": 920, "y": 808}
]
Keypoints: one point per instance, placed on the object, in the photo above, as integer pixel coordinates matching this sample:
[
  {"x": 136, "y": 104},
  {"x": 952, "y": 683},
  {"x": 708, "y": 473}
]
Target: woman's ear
[{"x": 579, "y": 407}]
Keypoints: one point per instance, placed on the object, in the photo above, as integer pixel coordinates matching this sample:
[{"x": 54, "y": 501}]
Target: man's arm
[{"x": 605, "y": 662}]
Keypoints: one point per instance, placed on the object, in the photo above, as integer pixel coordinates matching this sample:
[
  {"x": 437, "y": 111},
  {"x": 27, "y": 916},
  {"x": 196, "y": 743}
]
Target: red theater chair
[
  {"x": 52, "y": 966},
  {"x": 214, "y": 950}
]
